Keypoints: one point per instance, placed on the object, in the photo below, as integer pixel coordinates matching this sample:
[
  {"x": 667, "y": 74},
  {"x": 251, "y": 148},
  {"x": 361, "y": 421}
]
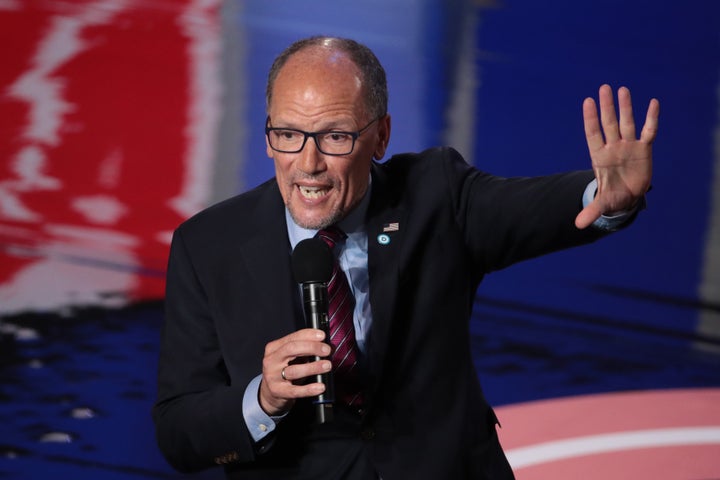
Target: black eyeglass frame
[{"x": 354, "y": 135}]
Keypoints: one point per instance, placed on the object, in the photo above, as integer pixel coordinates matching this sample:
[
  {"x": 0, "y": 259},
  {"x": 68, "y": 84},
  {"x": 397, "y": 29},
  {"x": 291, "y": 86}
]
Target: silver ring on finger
[{"x": 282, "y": 374}]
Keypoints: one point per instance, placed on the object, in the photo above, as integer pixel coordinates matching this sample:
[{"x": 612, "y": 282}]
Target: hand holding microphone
[
  {"x": 284, "y": 378},
  {"x": 312, "y": 265}
]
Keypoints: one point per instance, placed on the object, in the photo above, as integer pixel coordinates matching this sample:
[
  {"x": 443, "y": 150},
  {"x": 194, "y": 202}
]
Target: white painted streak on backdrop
[{"x": 200, "y": 22}]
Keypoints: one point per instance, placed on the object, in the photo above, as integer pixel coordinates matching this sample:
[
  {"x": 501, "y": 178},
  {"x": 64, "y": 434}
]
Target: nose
[{"x": 310, "y": 161}]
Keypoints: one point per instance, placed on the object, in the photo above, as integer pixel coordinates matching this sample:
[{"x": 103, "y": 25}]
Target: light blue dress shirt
[{"x": 353, "y": 259}]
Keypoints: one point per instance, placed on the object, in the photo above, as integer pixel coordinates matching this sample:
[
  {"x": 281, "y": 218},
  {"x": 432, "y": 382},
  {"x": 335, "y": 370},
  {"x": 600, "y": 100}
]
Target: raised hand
[{"x": 621, "y": 162}]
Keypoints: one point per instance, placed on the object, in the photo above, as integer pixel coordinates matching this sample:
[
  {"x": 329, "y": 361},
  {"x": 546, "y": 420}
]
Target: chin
[{"x": 314, "y": 222}]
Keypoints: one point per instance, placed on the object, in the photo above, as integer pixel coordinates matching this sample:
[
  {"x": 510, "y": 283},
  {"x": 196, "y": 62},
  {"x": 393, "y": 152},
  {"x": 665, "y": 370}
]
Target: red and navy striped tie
[{"x": 341, "y": 305}]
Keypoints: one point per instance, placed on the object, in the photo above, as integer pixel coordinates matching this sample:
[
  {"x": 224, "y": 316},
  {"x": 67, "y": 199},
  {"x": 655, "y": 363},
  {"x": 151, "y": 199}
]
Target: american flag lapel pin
[{"x": 384, "y": 238}]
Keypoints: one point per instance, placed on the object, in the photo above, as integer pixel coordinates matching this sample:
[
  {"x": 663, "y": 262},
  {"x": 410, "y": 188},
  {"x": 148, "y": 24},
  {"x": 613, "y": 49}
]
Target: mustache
[{"x": 319, "y": 178}]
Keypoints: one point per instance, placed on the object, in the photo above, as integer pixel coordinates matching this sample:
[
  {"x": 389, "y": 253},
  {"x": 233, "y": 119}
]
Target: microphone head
[{"x": 312, "y": 261}]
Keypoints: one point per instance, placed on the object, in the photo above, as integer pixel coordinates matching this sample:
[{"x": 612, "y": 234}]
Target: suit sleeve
[
  {"x": 507, "y": 220},
  {"x": 198, "y": 414}
]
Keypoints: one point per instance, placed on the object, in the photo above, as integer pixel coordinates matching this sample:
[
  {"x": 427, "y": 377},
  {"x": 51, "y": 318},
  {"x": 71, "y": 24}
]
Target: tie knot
[{"x": 331, "y": 235}]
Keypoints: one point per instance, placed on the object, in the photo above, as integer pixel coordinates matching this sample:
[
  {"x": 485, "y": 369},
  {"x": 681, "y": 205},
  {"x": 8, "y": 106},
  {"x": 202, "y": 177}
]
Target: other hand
[{"x": 622, "y": 163}]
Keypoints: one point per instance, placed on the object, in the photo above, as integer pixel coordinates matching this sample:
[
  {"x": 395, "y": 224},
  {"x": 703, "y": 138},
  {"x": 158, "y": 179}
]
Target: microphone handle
[{"x": 315, "y": 303}]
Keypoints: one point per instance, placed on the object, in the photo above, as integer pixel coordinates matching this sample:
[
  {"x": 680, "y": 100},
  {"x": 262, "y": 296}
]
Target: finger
[
  {"x": 608, "y": 118},
  {"x": 627, "y": 123},
  {"x": 277, "y": 397},
  {"x": 588, "y": 215},
  {"x": 300, "y": 371},
  {"x": 650, "y": 127},
  {"x": 278, "y": 385},
  {"x": 291, "y": 387},
  {"x": 289, "y": 352},
  {"x": 306, "y": 334},
  {"x": 593, "y": 134},
  {"x": 304, "y": 391}
]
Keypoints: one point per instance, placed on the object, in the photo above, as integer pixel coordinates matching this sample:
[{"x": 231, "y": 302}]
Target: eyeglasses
[{"x": 328, "y": 142}]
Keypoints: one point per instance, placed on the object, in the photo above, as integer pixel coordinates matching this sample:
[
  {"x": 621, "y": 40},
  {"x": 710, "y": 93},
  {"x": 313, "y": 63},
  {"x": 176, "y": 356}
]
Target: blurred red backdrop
[{"x": 109, "y": 110}]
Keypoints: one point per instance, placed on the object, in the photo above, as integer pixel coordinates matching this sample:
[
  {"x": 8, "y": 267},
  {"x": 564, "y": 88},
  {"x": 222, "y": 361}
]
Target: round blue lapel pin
[{"x": 383, "y": 239}]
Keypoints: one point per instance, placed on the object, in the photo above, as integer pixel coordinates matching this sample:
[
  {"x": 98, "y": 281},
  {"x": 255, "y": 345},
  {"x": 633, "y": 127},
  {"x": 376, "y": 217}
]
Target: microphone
[{"x": 312, "y": 266}]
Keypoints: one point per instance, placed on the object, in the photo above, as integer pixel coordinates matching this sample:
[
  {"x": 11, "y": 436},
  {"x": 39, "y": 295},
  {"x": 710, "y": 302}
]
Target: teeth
[{"x": 312, "y": 192}]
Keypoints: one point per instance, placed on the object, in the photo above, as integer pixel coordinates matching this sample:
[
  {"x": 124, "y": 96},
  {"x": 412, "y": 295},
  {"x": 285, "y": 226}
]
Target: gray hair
[{"x": 371, "y": 71}]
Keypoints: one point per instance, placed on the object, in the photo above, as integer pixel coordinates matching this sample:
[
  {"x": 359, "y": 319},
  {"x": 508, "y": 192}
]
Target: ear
[
  {"x": 269, "y": 151},
  {"x": 383, "y": 137}
]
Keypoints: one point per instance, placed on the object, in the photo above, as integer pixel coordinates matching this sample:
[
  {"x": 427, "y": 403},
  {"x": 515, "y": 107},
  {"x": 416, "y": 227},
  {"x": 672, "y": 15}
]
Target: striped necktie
[{"x": 341, "y": 305}]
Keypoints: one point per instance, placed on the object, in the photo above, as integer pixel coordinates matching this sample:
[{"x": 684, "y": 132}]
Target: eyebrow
[{"x": 338, "y": 125}]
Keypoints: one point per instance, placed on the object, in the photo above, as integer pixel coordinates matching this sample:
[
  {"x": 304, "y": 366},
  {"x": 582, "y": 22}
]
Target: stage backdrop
[{"x": 121, "y": 118}]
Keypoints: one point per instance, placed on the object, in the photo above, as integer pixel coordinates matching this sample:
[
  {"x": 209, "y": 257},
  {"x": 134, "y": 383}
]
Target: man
[{"x": 237, "y": 375}]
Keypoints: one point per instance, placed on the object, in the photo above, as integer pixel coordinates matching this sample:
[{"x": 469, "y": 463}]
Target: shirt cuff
[
  {"x": 259, "y": 423},
  {"x": 609, "y": 222}
]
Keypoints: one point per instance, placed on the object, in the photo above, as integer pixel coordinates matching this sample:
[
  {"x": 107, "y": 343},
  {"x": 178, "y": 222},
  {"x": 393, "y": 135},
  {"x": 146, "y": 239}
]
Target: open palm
[{"x": 621, "y": 162}]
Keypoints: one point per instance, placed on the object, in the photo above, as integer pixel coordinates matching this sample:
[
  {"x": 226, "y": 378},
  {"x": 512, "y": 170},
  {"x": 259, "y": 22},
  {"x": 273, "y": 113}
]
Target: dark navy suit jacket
[{"x": 230, "y": 291}]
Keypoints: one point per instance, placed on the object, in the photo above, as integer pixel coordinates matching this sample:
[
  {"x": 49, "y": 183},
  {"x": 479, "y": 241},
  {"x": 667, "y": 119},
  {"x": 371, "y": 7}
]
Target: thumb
[{"x": 588, "y": 215}]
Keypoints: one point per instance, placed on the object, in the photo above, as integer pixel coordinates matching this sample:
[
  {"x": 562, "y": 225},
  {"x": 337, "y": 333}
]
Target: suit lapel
[
  {"x": 267, "y": 257},
  {"x": 384, "y": 252}
]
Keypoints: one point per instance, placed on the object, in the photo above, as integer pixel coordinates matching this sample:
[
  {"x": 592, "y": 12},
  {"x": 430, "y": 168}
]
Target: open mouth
[{"x": 313, "y": 192}]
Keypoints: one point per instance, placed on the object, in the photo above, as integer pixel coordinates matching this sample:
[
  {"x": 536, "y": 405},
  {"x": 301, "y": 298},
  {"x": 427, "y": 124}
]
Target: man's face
[{"x": 318, "y": 90}]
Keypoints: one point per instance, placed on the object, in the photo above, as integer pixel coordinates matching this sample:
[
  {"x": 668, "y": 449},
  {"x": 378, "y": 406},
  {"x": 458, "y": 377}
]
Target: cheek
[
  {"x": 281, "y": 175},
  {"x": 357, "y": 182}
]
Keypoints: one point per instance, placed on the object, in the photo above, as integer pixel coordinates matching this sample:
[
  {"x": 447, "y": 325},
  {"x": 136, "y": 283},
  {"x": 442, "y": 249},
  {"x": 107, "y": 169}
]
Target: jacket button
[{"x": 367, "y": 434}]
